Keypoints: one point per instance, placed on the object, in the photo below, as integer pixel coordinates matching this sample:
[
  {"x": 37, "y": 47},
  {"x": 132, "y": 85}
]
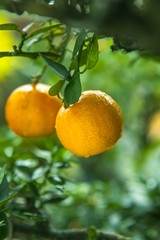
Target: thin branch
[
  {"x": 23, "y": 39},
  {"x": 118, "y": 19},
  {"x": 19, "y": 228},
  {"x": 28, "y": 54}
]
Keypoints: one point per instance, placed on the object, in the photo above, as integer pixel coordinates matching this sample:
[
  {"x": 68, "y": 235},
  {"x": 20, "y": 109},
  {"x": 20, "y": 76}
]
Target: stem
[
  {"x": 36, "y": 78},
  {"x": 62, "y": 234},
  {"x": 24, "y": 35},
  {"x": 33, "y": 55}
]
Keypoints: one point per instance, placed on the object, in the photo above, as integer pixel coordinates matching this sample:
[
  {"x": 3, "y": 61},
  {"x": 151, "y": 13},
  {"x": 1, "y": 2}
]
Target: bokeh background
[{"x": 119, "y": 190}]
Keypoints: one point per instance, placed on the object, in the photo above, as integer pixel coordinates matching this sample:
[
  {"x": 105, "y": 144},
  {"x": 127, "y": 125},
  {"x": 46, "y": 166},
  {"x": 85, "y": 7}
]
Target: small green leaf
[
  {"x": 2, "y": 170},
  {"x": 55, "y": 89},
  {"x": 52, "y": 197},
  {"x": 73, "y": 65},
  {"x": 4, "y": 188},
  {"x": 29, "y": 163},
  {"x": 82, "y": 61},
  {"x": 4, "y": 202},
  {"x": 83, "y": 58},
  {"x": 10, "y": 26},
  {"x": 73, "y": 90},
  {"x": 57, "y": 180},
  {"x": 39, "y": 172},
  {"x": 41, "y": 30},
  {"x": 8, "y": 151},
  {"x": 42, "y": 154},
  {"x": 34, "y": 40},
  {"x": 3, "y": 225},
  {"x": 27, "y": 27},
  {"x": 52, "y": 200},
  {"x": 24, "y": 173},
  {"x": 56, "y": 67},
  {"x": 79, "y": 42},
  {"x": 62, "y": 165},
  {"x": 92, "y": 53}
]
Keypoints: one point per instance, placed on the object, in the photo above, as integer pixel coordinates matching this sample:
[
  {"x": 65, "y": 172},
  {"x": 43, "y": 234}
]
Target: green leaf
[
  {"x": 24, "y": 173},
  {"x": 17, "y": 189},
  {"x": 41, "y": 30},
  {"x": 57, "y": 180},
  {"x": 2, "y": 171},
  {"x": 4, "y": 202},
  {"x": 27, "y": 27},
  {"x": 52, "y": 197},
  {"x": 92, "y": 53},
  {"x": 73, "y": 90},
  {"x": 8, "y": 151},
  {"x": 83, "y": 58},
  {"x": 82, "y": 61},
  {"x": 79, "y": 42},
  {"x": 4, "y": 188},
  {"x": 62, "y": 165},
  {"x": 10, "y": 26},
  {"x": 73, "y": 65},
  {"x": 34, "y": 40},
  {"x": 39, "y": 172},
  {"x": 55, "y": 199},
  {"x": 55, "y": 89},
  {"x": 56, "y": 67},
  {"x": 29, "y": 163},
  {"x": 42, "y": 154},
  {"x": 3, "y": 225}
]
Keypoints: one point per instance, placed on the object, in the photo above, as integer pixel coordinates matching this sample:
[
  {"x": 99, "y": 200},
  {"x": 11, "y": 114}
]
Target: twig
[
  {"x": 36, "y": 78},
  {"x": 27, "y": 54}
]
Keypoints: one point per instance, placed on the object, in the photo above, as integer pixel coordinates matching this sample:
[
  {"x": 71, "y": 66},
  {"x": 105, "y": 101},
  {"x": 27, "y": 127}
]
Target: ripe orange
[
  {"x": 31, "y": 112},
  {"x": 90, "y": 126}
]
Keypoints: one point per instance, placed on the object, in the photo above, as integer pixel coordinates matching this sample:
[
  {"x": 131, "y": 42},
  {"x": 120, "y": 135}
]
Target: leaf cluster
[
  {"x": 34, "y": 172},
  {"x": 85, "y": 53}
]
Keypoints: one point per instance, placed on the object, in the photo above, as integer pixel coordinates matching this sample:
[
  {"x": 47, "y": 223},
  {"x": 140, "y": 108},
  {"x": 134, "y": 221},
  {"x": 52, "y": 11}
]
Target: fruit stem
[{"x": 36, "y": 78}]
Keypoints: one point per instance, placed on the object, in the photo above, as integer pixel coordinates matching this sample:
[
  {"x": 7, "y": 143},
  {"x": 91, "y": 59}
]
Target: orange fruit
[
  {"x": 31, "y": 112},
  {"x": 90, "y": 126}
]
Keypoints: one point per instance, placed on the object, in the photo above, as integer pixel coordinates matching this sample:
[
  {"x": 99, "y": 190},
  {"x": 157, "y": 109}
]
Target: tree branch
[
  {"x": 33, "y": 55},
  {"x": 63, "y": 234},
  {"x": 133, "y": 28}
]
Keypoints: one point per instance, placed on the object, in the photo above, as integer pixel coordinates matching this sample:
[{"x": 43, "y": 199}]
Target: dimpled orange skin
[
  {"x": 90, "y": 126},
  {"x": 31, "y": 112}
]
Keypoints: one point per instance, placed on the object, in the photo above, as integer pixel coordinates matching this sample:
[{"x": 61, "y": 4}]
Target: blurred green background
[{"x": 119, "y": 190}]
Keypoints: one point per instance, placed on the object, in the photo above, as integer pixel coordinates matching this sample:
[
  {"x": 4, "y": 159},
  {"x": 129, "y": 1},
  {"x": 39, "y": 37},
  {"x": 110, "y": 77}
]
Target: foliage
[{"x": 35, "y": 175}]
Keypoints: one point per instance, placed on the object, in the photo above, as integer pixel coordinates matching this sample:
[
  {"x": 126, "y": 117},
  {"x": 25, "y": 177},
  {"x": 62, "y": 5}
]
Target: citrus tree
[{"x": 66, "y": 37}]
